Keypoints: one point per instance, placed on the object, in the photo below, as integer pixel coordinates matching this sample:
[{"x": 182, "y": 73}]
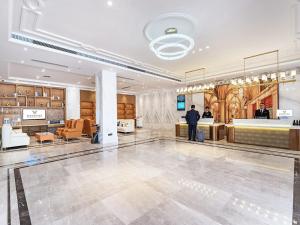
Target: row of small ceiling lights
[
  {"x": 282, "y": 76},
  {"x": 201, "y": 49}
]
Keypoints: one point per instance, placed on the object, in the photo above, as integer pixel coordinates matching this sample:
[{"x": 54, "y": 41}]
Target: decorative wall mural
[{"x": 228, "y": 101}]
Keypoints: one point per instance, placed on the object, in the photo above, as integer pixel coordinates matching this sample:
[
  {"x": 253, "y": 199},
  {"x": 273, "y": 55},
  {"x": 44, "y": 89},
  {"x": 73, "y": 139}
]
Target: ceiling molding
[
  {"x": 21, "y": 80},
  {"x": 31, "y": 13}
]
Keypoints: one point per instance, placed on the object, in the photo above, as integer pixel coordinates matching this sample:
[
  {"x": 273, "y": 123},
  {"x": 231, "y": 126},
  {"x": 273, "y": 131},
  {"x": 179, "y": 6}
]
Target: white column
[
  {"x": 106, "y": 106},
  {"x": 72, "y": 103}
]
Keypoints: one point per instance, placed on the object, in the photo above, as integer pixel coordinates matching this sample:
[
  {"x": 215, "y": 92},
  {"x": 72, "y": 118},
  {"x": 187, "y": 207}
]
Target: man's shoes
[
  {"x": 189, "y": 139},
  {"x": 194, "y": 139}
]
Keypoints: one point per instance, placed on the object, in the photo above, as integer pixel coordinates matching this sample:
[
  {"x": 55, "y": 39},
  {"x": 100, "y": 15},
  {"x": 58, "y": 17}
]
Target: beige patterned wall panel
[
  {"x": 159, "y": 108},
  {"x": 205, "y": 129},
  {"x": 264, "y": 137}
]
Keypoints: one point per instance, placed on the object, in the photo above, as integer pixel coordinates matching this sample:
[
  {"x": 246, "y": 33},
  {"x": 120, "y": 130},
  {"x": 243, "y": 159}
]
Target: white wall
[
  {"x": 159, "y": 108},
  {"x": 72, "y": 103},
  {"x": 289, "y": 97}
]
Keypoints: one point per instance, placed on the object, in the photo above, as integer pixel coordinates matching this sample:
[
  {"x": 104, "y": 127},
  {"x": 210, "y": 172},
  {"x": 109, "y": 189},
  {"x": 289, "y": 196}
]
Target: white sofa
[
  {"x": 13, "y": 138},
  {"x": 126, "y": 125}
]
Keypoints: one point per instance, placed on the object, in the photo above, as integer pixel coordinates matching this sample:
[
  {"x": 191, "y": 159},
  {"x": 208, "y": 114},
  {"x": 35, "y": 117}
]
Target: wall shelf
[{"x": 16, "y": 97}]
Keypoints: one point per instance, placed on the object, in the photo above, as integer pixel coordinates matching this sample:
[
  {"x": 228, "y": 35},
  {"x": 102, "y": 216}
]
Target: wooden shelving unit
[
  {"x": 31, "y": 96},
  {"x": 126, "y": 107},
  {"x": 15, "y": 97},
  {"x": 87, "y": 105}
]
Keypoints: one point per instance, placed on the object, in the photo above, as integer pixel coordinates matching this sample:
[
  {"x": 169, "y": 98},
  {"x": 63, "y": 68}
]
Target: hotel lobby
[{"x": 116, "y": 112}]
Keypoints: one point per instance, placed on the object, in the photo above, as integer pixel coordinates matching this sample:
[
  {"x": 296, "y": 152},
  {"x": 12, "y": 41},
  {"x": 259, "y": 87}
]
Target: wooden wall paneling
[
  {"x": 126, "y": 106},
  {"x": 87, "y": 104},
  {"x": 230, "y": 134},
  {"x": 177, "y": 130},
  {"x": 294, "y": 139}
]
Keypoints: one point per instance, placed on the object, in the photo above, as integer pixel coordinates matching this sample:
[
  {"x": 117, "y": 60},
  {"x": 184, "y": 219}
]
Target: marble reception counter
[
  {"x": 272, "y": 133},
  {"x": 212, "y": 131}
]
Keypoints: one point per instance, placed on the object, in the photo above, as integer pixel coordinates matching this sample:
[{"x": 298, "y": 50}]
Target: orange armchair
[
  {"x": 89, "y": 127},
  {"x": 75, "y": 132},
  {"x": 68, "y": 124}
]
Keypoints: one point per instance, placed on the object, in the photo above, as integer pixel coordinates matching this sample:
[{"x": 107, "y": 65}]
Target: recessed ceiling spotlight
[
  {"x": 22, "y": 61},
  {"x": 79, "y": 61},
  {"x": 193, "y": 51},
  {"x": 43, "y": 70},
  {"x": 78, "y": 82},
  {"x": 37, "y": 77},
  {"x": 200, "y": 49},
  {"x": 25, "y": 49},
  {"x": 207, "y": 47},
  {"x": 109, "y": 3},
  {"x": 69, "y": 70}
]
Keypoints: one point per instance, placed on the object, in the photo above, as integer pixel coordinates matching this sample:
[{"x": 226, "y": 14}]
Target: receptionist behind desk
[
  {"x": 207, "y": 113},
  {"x": 262, "y": 112}
]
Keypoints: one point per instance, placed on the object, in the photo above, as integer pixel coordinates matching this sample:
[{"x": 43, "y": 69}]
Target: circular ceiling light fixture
[
  {"x": 172, "y": 46},
  {"x": 170, "y": 36}
]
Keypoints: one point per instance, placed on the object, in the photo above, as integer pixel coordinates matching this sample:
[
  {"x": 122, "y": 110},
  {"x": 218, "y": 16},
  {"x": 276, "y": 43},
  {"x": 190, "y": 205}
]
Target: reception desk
[
  {"x": 212, "y": 131},
  {"x": 271, "y": 133}
]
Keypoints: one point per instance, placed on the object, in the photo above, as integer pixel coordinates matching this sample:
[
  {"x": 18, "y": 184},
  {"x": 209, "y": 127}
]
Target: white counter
[{"x": 263, "y": 123}]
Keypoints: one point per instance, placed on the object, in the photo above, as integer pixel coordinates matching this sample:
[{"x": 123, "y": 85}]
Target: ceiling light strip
[
  {"x": 261, "y": 80},
  {"x": 49, "y": 63},
  {"x": 88, "y": 56}
]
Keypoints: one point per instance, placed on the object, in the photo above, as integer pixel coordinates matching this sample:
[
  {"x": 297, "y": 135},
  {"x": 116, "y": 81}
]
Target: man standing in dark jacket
[{"x": 192, "y": 118}]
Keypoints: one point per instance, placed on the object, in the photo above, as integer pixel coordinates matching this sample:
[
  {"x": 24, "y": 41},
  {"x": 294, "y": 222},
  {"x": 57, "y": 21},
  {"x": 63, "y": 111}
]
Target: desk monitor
[
  {"x": 180, "y": 106},
  {"x": 181, "y": 103}
]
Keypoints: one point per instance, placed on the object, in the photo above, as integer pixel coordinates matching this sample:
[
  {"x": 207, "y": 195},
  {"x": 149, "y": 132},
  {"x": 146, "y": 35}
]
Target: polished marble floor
[{"x": 153, "y": 182}]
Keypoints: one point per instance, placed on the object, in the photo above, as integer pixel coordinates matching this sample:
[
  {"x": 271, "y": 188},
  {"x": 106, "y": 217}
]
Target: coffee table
[{"x": 44, "y": 136}]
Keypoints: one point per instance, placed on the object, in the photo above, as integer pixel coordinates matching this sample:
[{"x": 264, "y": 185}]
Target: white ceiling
[
  {"x": 127, "y": 82},
  {"x": 233, "y": 29}
]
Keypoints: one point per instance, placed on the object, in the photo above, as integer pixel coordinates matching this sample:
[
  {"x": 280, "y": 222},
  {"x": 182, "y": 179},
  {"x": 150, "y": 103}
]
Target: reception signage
[
  {"x": 34, "y": 114},
  {"x": 284, "y": 113}
]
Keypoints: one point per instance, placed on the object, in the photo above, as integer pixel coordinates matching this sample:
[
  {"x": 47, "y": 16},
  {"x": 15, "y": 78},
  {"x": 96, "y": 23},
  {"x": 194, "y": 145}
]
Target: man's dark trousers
[{"x": 192, "y": 132}]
